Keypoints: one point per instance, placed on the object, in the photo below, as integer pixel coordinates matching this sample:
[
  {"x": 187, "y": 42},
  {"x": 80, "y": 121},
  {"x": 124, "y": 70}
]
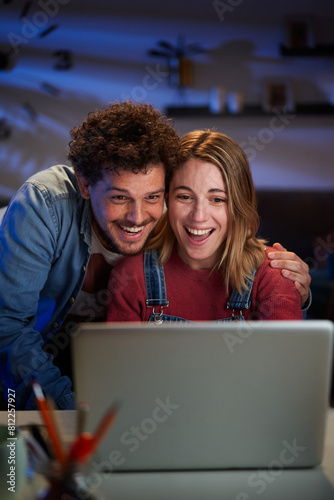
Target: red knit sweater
[{"x": 197, "y": 296}]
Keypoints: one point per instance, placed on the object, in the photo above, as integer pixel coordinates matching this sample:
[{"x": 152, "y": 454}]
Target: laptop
[{"x": 206, "y": 396}]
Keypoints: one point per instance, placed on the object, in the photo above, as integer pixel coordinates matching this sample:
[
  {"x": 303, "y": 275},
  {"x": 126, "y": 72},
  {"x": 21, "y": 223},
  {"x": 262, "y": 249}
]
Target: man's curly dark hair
[{"x": 126, "y": 136}]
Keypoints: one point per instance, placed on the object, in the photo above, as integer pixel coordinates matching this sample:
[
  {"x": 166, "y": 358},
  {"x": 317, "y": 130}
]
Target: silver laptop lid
[{"x": 207, "y": 395}]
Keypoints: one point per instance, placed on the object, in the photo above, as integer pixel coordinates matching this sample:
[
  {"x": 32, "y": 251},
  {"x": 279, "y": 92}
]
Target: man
[{"x": 66, "y": 228}]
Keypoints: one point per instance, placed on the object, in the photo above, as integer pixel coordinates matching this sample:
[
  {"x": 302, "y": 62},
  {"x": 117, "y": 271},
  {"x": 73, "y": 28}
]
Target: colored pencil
[
  {"x": 104, "y": 426},
  {"x": 49, "y": 424}
]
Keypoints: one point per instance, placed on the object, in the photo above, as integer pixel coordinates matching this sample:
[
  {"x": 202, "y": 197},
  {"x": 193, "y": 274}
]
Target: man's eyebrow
[
  {"x": 114, "y": 188},
  {"x": 125, "y": 191},
  {"x": 158, "y": 191}
]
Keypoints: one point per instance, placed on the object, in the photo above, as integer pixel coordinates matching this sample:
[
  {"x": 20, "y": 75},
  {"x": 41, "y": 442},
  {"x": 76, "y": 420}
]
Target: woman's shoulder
[
  {"x": 268, "y": 274},
  {"x": 267, "y": 250},
  {"x": 266, "y": 264}
]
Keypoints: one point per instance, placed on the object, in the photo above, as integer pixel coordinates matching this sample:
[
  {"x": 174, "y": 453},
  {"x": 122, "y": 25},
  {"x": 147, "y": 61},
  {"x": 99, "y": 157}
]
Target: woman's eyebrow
[
  {"x": 215, "y": 190},
  {"x": 212, "y": 190},
  {"x": 182, "y": 187}
]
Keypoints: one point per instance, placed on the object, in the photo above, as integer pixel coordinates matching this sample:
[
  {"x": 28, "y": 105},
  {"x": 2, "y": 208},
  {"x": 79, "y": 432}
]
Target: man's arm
[
  {"x": 293, "y": 268},
  {"x": 27, "y": 241}
]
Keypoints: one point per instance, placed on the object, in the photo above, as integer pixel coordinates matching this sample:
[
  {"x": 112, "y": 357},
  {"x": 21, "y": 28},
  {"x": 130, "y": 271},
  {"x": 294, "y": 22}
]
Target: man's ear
[{"x": 83, "y": 185}]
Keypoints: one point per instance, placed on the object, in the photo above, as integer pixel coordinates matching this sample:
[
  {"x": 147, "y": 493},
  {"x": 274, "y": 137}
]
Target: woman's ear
[{"x": 83, "y": 185}]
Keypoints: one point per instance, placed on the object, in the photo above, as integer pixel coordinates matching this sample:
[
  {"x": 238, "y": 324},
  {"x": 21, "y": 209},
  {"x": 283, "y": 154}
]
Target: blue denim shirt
[{"x": 45, "y": 240}]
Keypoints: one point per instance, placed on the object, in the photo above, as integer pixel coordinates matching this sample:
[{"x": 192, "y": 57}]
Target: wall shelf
[
  {"x": 250, "y": 110},
  {"x": 317, "y": 51}
]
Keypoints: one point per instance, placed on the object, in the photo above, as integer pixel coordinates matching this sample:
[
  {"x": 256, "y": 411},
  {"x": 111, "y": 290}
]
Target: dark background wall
[{"x": 107, "y": 44}]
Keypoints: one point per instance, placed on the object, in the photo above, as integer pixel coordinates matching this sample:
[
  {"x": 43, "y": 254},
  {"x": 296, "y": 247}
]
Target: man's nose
[{"x": 136, "y": 213}]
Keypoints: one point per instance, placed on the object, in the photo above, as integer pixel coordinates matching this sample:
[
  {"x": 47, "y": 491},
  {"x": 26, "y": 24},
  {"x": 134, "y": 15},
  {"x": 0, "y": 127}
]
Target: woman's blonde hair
[{"x": 241, "y": 251}]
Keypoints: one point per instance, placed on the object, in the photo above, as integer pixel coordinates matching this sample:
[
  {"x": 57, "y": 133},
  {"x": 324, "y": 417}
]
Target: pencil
[
  {"x": 86, "y": 443},
  {"x": 46, "y": 416},
  {"x": 104, "y": 426},
  {"x": 83, "y": 409},
  {"x": 54, "y": 418},
  {"x": 37, "y": 435},
  {"x": 81, "y": 449}
]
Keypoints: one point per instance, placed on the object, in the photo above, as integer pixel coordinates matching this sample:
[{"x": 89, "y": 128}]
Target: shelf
[
  {"x": 251, "y": 110},
  {"x": 317, "y": 51}
]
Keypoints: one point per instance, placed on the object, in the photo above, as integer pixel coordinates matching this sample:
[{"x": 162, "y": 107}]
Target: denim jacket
[{"x": 45, "y": 240}]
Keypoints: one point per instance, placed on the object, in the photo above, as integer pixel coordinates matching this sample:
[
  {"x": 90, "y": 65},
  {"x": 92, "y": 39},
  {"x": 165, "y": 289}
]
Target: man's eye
[
  {"x": 219, "y": 200},
  {"x": 118, "y": 197},
  {"x": 154, "y": 197}
]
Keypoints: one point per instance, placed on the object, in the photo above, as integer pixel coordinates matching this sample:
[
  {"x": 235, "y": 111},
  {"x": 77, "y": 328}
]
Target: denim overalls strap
[
  {"x": 155, "y": 283},
  {"x": 157, "y": 295},
  {"x": 243, "y": 301}
]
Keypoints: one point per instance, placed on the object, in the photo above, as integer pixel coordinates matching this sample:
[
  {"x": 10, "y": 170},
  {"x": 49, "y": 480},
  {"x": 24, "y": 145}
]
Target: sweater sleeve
[
  {"x": 126, "y": 291},
  {"x": 274, "y": 297}
]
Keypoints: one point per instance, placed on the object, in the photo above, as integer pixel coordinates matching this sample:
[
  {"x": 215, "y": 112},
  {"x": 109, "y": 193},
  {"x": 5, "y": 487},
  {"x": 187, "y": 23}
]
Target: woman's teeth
[{"x": 198, "y": 232}]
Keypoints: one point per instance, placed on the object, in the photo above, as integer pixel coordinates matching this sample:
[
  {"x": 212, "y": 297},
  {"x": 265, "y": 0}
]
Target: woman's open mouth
[{"x": 198, "y": 234}]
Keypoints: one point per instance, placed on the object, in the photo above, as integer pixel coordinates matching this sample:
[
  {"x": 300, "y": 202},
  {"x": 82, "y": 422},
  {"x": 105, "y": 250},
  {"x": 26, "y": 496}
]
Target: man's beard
[{"x": 111, "y": 245}]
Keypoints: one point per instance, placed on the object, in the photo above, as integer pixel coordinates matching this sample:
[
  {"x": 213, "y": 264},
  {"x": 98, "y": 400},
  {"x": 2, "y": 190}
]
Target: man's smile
[{"x": 133, "y": 229}]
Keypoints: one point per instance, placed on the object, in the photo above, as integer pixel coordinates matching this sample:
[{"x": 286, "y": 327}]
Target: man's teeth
[
  {"x": 136, "y": 229},
  {"x": 198, "y": 232}
]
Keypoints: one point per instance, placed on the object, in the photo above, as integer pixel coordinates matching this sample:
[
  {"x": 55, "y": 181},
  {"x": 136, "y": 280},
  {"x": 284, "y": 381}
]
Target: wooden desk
[{"x": 309, "y": 484}]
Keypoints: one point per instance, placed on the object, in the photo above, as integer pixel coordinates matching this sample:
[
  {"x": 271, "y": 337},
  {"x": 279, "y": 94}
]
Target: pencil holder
[
  {"x": 67, "y": 474},
  {"x": 71, "y": 483},
  {"x": 13, "y": 462}
]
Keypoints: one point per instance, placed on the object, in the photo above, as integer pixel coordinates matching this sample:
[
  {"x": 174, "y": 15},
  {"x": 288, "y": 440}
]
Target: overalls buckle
[{"x": 158, "y": 315}]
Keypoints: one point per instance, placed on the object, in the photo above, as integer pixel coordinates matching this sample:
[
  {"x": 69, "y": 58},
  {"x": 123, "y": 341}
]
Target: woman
[{"x": 205, "y": 264}]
